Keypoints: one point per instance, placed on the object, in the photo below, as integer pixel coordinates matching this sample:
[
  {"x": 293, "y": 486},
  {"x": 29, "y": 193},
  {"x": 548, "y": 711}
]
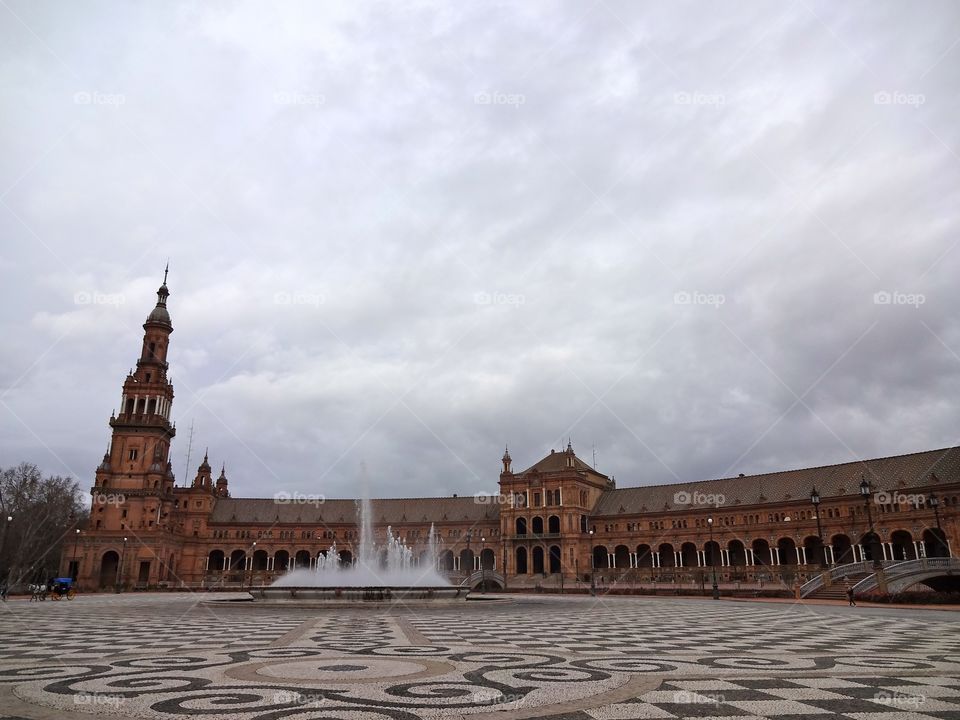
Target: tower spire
[{"x": 165, "y": 271}]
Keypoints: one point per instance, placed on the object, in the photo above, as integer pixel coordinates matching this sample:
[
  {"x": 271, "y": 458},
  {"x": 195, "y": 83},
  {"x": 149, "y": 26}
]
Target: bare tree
[{"x": 43, "y": 512}]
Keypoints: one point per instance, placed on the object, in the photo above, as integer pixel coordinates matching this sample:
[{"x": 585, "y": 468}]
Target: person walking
[{"x": 850, "y": 598}]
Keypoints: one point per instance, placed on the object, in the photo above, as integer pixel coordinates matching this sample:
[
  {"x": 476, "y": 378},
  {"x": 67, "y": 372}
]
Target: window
[{"x": 133, "y": 454}]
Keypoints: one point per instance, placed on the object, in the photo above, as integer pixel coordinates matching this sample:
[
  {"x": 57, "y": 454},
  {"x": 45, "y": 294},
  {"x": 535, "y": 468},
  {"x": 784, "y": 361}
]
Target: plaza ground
[{"x": 176, "y": 655}]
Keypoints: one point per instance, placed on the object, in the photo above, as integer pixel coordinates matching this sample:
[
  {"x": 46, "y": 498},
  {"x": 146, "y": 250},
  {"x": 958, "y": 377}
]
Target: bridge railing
[
  {"x": 906, "y": 568},
  {"x": 836, "y": 573}
]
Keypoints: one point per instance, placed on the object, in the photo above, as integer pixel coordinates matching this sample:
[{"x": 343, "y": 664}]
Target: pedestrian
[
  {"x": 4, "y": 589},
  {"x": 850, "y": 598}
]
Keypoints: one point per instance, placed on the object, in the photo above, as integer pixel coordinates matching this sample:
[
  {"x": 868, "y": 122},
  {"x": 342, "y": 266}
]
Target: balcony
[{"x": 534, "y": 536}]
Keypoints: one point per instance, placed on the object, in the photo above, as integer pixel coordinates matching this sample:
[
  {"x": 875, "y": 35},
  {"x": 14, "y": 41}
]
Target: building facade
[{"x": 558, "y": 523}]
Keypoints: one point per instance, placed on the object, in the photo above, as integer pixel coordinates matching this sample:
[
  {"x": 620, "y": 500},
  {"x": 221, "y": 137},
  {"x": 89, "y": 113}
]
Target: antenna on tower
[
  {"x": 186, "y": 472},
  {"x": 594, "y": 456}
]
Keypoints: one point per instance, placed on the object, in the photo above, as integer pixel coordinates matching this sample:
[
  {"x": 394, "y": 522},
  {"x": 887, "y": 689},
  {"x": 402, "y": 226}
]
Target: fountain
[{"x": 384, "y": 573}]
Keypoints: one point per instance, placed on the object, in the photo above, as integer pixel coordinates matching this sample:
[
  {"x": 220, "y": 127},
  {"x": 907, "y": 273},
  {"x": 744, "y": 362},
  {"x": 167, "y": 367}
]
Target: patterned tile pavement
[{"x": 168, "y": 656}]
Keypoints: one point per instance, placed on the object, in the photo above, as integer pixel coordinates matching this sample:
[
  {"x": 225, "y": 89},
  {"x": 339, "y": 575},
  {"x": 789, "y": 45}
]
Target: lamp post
[
  {"x": 3, "y": 542},
  {"x": 865, "y": 494},
  {"x": 483, "y": 570},
  {"x": 76, "y": 539},
  {"x": 713, "y": 563},
  {"x": 123, "y": 556},
  {"x": 822, "y": 551},
  {"x": 243, "y": 577},
  {"x": 934, "y": 502},
  {"x": 593, "y": 569}
]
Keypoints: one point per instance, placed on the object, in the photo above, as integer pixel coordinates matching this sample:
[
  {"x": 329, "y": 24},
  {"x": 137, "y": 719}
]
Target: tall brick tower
[{"x": 133, "y": 493}]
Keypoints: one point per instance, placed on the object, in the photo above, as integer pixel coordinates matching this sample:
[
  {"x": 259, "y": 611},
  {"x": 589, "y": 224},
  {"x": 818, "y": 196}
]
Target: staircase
[{"x": 837, "y": 591}]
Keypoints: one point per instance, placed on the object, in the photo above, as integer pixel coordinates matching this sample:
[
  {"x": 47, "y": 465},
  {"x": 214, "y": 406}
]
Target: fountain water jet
[{"x": 379, "y": 572}]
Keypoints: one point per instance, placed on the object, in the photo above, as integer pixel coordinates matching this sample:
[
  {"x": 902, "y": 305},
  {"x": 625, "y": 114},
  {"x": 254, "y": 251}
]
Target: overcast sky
[{"x": 404, "y": 235}]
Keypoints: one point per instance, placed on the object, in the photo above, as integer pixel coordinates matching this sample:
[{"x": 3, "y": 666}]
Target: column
[
  {"x": 677, "y": 559},
  {"x": 611, "y": 560},
  {"x": 801, "y": 553},
  {"x": 226, "y": 562},
  {"x": 656, "y": 559},
  {"x": 206, "y": 564},
  {"x": 833, "y": 558}
]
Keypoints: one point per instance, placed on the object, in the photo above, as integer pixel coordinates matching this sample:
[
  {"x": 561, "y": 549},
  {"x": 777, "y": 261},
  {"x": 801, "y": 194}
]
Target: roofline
[{"x": 793, "y": 470}]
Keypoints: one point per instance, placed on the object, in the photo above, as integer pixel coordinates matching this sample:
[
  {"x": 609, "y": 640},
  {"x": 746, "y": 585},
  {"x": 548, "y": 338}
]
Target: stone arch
[
  {"x": 555, "y": 560},
  {"x": 761, "y": 551},
  {"x": 553, "y": 525},
  {"x": 668, "y": 556},
  {"x": 521, "y": 526},
  {"x": 538, "y": 564},
  {"x": 301, "y": 559},
  {"x": 842, "y": 549},
  {"x": 238, "y": 560},
  {"x": 281, "y": 561},
  {"x": 644, "y": 556},
  {"x": 787, "y": 550},
  {"x": 537, "y": 525},
  {"x": 259, "y": 561},
  {"x": 466, "y": 561},
  {"x": 521, "y": 561},
  {"x": 737, "y": 553},
  {"x": 621, "y": 556},
  {"x": 109, "y": 567},
  {"x": 688, "y": 555},
  {"x": 601, "y": 558},
  {"x": 445, "y": 561},
  {"x": 215, "y": 561},
  {"x": 487, "y": 559}
]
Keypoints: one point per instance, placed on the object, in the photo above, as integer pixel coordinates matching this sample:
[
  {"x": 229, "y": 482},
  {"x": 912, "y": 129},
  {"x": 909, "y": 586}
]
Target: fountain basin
[{"x": 367, "y": 594}]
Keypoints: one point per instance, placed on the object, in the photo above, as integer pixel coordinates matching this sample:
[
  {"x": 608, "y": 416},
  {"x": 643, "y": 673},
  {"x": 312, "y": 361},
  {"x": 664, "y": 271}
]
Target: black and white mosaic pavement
[{"x": 164, "y": 656}]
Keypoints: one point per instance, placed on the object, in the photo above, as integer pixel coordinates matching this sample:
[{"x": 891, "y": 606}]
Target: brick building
[{"x": 558, "y": 522}]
